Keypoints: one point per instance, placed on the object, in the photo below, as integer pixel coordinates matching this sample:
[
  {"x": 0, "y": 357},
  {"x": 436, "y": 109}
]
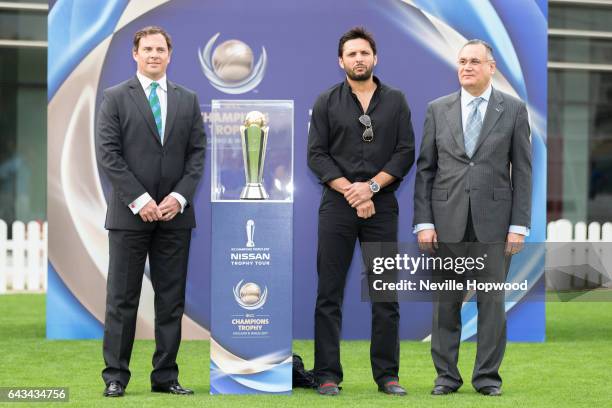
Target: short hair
[
  {"x": 353, "y": 34},
  {"x": 485, "y": 44},
  {"x": 150, "y": 30}
]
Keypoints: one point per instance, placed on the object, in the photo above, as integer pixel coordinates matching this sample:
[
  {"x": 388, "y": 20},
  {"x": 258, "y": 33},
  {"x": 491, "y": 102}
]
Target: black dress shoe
[
  {"x": 392, "y": 388},
  {"x": 114, "y": 389},
  {"x": 172, "y": 388},
  {"x": 491, "y": 391},
  {"x": 442, "y": 390}
]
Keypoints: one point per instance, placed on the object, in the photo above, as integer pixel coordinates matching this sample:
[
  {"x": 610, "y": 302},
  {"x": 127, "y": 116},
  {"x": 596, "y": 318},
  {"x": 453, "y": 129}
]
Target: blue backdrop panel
[
  {"x": 66, "y": 316},
  {"x": 417, "y": 46}
]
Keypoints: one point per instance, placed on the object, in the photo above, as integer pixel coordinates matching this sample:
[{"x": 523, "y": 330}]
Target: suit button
[
  {"x": 467, "y": 190},
  {"x": 472, "y": 164}
]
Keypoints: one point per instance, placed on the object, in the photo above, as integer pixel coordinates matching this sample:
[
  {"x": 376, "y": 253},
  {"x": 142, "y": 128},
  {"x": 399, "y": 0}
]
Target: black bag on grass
[{"x": 302, "y": 378}]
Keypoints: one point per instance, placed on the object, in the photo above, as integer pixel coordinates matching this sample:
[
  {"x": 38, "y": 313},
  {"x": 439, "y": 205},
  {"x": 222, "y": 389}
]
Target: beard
[{"x": 366, "y": 75}]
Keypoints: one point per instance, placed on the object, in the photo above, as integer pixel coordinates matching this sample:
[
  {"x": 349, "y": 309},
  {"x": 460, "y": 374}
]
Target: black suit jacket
[{"x": 131, "y": 155}]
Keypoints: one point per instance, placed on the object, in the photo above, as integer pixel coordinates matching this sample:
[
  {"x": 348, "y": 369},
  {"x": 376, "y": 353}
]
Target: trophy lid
[{"x": 255, "y": 118}]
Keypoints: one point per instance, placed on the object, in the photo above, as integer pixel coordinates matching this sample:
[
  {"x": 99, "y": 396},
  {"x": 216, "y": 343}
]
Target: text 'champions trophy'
[{"x": 254, "y": 137}]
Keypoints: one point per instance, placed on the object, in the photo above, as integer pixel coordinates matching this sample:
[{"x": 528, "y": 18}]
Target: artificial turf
[{"x": 573, "y": 368}]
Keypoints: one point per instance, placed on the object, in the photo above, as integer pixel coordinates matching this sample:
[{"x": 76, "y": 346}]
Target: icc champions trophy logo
[
  {"x": 229, "y": 67},
  {"x": 249, "y": 295}
]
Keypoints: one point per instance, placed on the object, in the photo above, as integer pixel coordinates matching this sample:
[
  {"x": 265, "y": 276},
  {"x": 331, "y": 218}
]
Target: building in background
[
  {"x": 23, "y": 110},
  {"x": 579, "y": 110}
]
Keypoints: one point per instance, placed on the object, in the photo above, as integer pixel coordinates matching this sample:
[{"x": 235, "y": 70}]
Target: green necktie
[{"x": 156, "y": 108}]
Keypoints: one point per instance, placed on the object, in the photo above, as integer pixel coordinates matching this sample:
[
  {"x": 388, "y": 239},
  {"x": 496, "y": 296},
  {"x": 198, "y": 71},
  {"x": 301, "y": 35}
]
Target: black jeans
[{"x": 339, "y": 228}]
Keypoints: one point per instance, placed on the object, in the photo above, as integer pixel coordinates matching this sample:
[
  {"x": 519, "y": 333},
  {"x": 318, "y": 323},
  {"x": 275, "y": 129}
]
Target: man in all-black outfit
[
  {"x": 360, "y": 146},
  {"x": 150, "y": 144}
]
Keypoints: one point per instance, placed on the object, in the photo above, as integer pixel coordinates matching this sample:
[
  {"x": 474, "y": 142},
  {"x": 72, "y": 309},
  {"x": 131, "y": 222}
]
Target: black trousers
[
  {"x": 491, "y": 325},
  {"x": 168, "y": 252},
  {"x": 339, "y": 228}
]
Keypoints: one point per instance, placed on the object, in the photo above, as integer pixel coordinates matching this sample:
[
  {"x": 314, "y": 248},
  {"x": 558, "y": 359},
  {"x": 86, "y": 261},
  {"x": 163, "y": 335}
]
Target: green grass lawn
[{"x": 572, "y": 369}]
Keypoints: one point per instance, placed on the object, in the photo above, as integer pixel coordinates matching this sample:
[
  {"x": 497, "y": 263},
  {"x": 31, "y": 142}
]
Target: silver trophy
[
  {"x": 250, "y": 231},
  {"x": 254, "y": 137}
]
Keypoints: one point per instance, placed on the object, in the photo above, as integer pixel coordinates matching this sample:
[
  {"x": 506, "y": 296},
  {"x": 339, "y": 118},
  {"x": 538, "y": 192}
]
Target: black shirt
[{"x": 335, "y": 145}]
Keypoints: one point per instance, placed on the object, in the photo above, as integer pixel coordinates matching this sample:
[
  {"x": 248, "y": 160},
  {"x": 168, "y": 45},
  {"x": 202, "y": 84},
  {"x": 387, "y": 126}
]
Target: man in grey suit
[
  {"x": 150, "y": 144},
  {"x": 473, "y": 184}
]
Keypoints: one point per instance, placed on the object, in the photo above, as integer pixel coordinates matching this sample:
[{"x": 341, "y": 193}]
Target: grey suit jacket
[
  {"x": 130, "y": 153},
  {"x": 495, "y": 184}
]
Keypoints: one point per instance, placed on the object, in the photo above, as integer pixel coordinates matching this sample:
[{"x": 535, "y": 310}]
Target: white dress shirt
[
  {"x": 162, "y": 94},
  {"x": 466, "y": 99}
]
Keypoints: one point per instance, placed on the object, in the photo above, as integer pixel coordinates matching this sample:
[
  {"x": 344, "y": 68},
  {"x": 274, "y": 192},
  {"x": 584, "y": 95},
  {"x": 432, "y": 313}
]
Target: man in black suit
[
  {"x": 473, "y": 185},
  {"x": 150, "y": 144}
]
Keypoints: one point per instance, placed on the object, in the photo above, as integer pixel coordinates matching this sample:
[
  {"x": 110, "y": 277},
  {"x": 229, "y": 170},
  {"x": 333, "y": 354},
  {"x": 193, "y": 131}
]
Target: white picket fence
[
  {"x": 578, "y": 257},
  {"x": 564, "y": 231},
  {"x": 23, "y": 258}
]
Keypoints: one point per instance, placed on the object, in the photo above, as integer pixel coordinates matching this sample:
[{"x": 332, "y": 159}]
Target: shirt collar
[
  {"x": 146, "y": 81},
  {"x": 467, "y": 98}
]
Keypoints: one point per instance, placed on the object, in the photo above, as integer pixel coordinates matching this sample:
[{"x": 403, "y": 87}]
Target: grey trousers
[{"x": 446, "y": 325}]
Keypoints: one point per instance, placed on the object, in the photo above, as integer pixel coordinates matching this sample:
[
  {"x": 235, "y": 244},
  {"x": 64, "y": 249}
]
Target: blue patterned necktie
[
  {"x": 472, "y": 129},
  {"x": 156, "y": 109}
]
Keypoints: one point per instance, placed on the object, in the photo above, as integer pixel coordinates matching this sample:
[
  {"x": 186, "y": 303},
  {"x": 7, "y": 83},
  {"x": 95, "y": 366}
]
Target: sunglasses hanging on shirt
[{"x": 368, "y": 133}]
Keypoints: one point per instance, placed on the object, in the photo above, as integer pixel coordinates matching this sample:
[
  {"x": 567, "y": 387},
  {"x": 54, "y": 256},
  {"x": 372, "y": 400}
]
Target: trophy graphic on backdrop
[
  {"x": 250, "y": 231},
  {"x": 254, "y": 137}
]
